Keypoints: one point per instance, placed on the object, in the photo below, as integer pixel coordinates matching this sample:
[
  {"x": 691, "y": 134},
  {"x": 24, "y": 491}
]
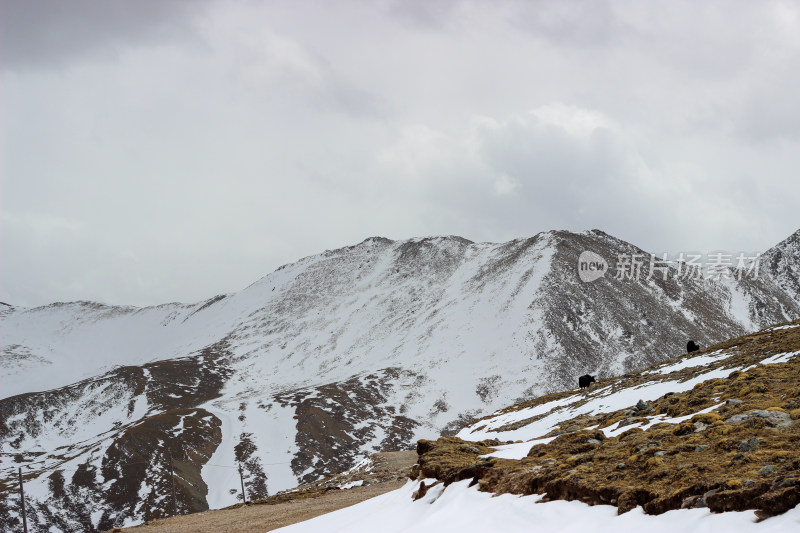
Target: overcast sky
[{"x": 158, "y": 150}]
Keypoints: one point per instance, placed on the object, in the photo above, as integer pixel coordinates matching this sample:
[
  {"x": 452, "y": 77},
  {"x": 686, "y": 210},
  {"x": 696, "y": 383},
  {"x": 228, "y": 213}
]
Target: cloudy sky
[{"x": 163, "y": 150}]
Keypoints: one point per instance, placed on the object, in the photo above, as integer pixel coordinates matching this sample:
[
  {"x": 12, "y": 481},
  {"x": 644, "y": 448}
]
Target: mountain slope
[
  {"x": 326, "y": 360},
  {"x": 716, "y": 429}
]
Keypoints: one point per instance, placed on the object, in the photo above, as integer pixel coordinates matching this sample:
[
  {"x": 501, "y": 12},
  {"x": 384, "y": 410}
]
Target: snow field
[{"x": 462, "y": 509}]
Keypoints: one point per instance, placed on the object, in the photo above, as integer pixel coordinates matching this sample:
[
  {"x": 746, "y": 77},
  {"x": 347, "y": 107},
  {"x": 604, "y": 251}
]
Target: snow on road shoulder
[{"x": 463, "y": 509}]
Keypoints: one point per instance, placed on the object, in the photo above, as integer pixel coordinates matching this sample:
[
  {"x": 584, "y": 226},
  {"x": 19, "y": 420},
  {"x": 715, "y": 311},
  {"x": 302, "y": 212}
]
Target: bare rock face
[{"x": 330, "y": 359}]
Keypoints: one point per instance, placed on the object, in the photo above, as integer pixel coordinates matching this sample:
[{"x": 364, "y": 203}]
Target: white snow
[
  {"x": 779, "y": 358},
  {"x": 788, "y": 326},
  {"x": 657, "y": 419},
  {"x": 691, "y": 362},
  {"x": 462, "y": 509},
  {"x": 518, "y": 450},
  {"x": 352, "y": 484}
]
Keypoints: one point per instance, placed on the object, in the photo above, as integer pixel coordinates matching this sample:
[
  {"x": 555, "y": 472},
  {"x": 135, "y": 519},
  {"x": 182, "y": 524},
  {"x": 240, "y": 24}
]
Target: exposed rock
[
  {"x": 651, "y": 444},
  {"x": 703, "y": 501},
  {"x": 772, "y": 417},
  {"x": 643, "y": 408},
  {"x": 749, "y": 445},
  {"x": 767, "y": 470},
  {"x": 783, "y": 483},
  {"x": 689, "y": 502},
  {"x": 701, "y": 448},
  {"x": 628, "y": 421}
]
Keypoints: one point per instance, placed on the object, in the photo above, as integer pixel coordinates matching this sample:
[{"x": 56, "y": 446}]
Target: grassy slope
[{"x": 702, "y": 461}]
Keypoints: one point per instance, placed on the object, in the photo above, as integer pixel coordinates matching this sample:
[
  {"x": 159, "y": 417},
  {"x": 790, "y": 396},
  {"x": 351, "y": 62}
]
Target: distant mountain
[{"x": 324, "y": 361}]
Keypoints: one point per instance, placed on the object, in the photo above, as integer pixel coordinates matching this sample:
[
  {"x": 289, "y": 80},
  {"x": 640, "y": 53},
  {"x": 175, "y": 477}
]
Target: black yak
[
  {"x": 692, "y": 346},
  {"x": 585, "y": 381}
]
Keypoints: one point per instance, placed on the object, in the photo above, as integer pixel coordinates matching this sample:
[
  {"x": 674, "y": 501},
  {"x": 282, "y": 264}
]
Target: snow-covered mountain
[
  {"x": 707, "y": 442},
  {"x": 326, "y": 360}
]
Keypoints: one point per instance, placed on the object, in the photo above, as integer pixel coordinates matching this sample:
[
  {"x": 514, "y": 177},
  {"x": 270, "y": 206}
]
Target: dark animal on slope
[
  {"x": 585, "y": 381},
  {"x": 692, "y": 346}
]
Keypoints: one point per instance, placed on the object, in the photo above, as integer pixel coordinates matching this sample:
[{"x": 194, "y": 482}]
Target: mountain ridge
[{"x": 331, "y": 358}]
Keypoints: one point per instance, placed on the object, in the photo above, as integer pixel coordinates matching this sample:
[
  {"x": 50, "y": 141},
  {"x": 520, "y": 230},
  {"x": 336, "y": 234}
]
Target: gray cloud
[
  {"x": 164, "y": 151},
  {"x": 52, "y": 33}
]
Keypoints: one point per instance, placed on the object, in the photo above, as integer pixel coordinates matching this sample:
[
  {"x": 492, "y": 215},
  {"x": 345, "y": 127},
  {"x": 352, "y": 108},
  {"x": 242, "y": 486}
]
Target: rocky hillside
[
  {"x": 327, "y": 360},
  {"x": 716, "y": 429}
]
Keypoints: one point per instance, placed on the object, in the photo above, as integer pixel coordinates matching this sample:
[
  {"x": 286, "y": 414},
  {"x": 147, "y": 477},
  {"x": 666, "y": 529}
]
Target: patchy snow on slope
[
  {"x": 463, "y": 509},
  {"x": 555, "y": 412},
  {"x": 649, "y": 421},
  {"x": 779, "y": 358},
  {"x": 690, "y": 362},
  {"x": 788, "y": 326}
]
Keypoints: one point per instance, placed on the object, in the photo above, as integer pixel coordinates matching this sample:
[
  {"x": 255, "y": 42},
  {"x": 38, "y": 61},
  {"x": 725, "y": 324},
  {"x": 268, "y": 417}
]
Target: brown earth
[{"x": 389, "y": 471}]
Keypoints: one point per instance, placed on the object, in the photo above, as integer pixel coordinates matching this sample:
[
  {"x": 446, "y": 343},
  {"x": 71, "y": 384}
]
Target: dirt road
[{"x": 258, "y": 518}]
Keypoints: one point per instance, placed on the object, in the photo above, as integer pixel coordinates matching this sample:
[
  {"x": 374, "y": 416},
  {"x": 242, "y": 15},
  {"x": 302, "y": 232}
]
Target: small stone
[
  {"x": 559, "y": 432},
  {"x": 700, "y": 426},
  {"x": 621, "y": 466},
  {"x": 593, "y": 441},
  {"x": 767, "y": 470},
  {"x": 701, "y": 448},
  {"x": 748, "y": 482},
  {"x": 549, "y": 460},
  {"x": 628, "y": 421},
  {"x": 689, "y": 502},
  {"x": 660, "y": 453},
  {"x": 749, "y": 445},
  {"x": 651, "y": 444},
  {"x": 643, "y": 407},
  {"x": 570, "y": 429},
  {"x": 705, "y": 497},
  {"x": 788, "y": 423},
  {"x": 733, "y": 401},
  {"x": 473, "y": 449},
  {"x": 612, "y": 477},
  {"x": 784, "y": 483}
]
